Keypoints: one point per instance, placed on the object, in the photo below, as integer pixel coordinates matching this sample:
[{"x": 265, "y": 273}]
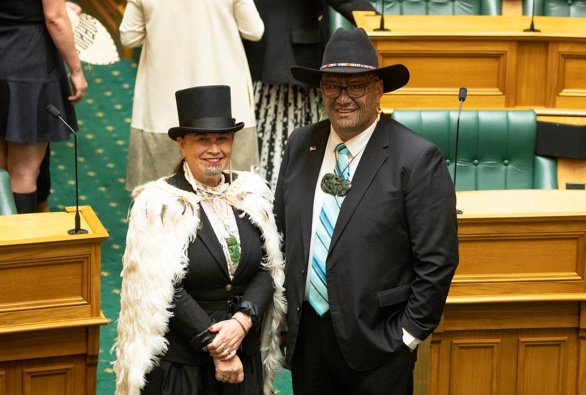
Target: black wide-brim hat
[
  {"x": 352, "y": 52},
  {"x": 204, "y": 109}
]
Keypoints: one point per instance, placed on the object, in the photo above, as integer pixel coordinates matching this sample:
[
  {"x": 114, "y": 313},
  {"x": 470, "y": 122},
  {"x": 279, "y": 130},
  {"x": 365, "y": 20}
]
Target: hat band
[
  {"x": 357, "y": 65},
  {"x": 208, "y": 123}
]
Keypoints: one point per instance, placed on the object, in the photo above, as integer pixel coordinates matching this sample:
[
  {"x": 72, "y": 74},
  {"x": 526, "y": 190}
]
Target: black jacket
[{"x": 295, "y": 35}]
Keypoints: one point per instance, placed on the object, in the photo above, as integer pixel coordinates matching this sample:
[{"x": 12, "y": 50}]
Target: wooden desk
[
  {"x": 49, "y": 303},
  {"x": 502, "y": 66},
  {"x": 515, "y": 319}
]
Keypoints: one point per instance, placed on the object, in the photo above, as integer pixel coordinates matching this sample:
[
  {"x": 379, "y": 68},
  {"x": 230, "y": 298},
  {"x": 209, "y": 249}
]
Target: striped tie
[{"x": 318, "y": 291}]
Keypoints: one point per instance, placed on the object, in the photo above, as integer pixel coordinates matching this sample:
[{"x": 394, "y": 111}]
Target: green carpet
[{"x": 104, "y": 117}]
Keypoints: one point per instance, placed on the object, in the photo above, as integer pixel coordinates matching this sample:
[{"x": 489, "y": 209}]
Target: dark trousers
[{"x": 318, "y": 366}]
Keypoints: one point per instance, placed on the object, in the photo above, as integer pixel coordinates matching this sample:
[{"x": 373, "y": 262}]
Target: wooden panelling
[
  {"x": 50, "y": 303},
  {"x": 48, "y": 283},
  {"x": 474, "y": 367},
  {"x": 515, "y": 320},
  {"x": 501, "y": 65},
  {"x": 48, "y": 380},
  {"x": 571, "y": 87},
  {"x": 47, "y": 376},
  {"x": 34, "y": 344},
  {"x": 542, "y": 366}
]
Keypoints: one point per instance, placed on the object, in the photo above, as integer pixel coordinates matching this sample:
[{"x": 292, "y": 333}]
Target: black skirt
[
  {"x": 32, "y": 76},
  {"x": 178, "y": 379}
]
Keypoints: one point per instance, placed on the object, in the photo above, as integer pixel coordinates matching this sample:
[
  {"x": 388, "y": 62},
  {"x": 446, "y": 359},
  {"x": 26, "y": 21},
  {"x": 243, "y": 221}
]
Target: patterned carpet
[{"x": 104, "y": 117}]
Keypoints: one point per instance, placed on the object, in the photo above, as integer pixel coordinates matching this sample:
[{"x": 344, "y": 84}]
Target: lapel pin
[{"x": 312, "y": 148}]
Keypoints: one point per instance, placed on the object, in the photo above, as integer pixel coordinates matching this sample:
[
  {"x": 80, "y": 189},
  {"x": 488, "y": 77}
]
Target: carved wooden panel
[
  {"x": 571, "y": 87},
  {"x": 542, "y": 366},
  {"x": 474, "y": 367},
  {"x": 48, "y": 380}
]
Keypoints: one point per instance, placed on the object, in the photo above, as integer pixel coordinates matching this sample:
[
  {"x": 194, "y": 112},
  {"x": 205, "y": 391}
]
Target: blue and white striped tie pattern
[{"x": 318, "y": 290}]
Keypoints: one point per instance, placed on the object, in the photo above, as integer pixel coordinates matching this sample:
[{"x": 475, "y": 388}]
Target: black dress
[{"x": 32, "y": 76}]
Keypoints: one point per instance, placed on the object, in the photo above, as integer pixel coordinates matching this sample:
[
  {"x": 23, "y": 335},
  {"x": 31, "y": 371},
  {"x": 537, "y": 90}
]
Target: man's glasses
[{"x": 354, "y": 91}]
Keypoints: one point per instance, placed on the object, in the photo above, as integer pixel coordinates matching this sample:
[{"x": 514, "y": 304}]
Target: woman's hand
[
  {"x": 229, "y": 371},
  {"x": 229, "y": 336},
  {"x": 78, "y": 86}
]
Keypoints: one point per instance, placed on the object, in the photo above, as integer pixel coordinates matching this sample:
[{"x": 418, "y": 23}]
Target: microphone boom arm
[
  {"x": 51, "y": 109},
  {"x": 461, "y": 97},
  {"x": 382, "y": 28}
]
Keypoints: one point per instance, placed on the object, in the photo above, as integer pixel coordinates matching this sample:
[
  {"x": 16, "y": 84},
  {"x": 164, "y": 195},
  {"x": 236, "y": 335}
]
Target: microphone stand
[
  {"x": 461, "y": 97},
  {"x": 381, "y": 28},
  {"x": 532, "y": 26},
  {"x": 51, "y": 109}
]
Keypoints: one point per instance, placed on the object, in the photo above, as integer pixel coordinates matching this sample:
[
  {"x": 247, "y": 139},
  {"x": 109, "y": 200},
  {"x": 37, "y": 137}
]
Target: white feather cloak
[{"x": 163, "y": 221}]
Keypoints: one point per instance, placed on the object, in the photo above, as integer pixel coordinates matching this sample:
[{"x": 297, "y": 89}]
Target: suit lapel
[
  {"x": 373, "y": 157},
  {"x": 312, "y": 158}
]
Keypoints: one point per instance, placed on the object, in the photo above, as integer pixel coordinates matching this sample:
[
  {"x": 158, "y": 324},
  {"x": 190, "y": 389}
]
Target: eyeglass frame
[{"x": 345, "y": 89}]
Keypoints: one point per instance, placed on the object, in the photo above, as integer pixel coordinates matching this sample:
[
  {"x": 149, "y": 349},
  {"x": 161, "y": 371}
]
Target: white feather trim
[{"x": 163, "y": 221}]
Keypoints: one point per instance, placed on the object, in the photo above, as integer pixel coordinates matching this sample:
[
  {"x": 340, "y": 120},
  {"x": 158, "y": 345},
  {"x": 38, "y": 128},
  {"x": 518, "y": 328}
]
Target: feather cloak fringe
[{"x": 163, "y": 221}]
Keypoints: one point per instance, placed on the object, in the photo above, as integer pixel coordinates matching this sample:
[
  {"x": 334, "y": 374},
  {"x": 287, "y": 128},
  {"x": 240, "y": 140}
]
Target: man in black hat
[{"x": 368, "y": 212}]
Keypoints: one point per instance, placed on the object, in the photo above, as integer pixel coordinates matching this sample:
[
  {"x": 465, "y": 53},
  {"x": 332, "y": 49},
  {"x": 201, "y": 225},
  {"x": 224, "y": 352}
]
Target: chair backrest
[
  {"x": 496, "y": 148},
  {"x": 439, "y": 7},
  {"x": 568, "y": 8},
  {"x": 425, "y": 7},
  {"x": 7, "y": 205}
]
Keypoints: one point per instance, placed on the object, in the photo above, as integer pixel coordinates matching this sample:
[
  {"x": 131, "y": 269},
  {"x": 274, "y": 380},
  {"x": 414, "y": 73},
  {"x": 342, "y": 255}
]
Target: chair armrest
[{"x": 545, "y": 173}]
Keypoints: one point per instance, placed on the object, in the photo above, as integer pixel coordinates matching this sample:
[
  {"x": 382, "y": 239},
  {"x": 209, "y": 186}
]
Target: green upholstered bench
[
  {"x": 425, "y": 7},
  {"x": 6, "y": 199},
  {"x": 496, "y": 148},
  {"x": 569, "y": 8}
]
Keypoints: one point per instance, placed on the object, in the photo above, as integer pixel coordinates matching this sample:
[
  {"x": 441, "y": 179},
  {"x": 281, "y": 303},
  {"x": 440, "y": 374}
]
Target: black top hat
[
  {"x": 204, "y": 109},
  {"x": 352, "y": 52}
]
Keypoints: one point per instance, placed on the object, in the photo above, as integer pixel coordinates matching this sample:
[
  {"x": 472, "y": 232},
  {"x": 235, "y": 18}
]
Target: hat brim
[
  {"x": 180, "y": 131},
  {"x": 394, "y": 77}
]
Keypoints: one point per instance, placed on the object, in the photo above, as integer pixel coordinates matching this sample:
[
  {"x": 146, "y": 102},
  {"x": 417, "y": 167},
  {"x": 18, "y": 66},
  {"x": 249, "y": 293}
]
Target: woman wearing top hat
[{"x": 202, "y": 293}]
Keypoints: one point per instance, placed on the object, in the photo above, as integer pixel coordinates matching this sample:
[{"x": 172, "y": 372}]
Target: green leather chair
[
  {"x": 6, "y": 199},
  {"x": 496, "y": 148},
  {"x": 567, "y": 8},
  {"x": 425, "y": 7}
]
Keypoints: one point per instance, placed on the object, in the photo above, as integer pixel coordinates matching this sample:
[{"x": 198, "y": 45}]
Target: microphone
[
  {"x": 461, "y": 97},
  {"x": 51, "y": 109},
  {"x": 381, "y": 28},
  {"x": 532, "y": 26}
]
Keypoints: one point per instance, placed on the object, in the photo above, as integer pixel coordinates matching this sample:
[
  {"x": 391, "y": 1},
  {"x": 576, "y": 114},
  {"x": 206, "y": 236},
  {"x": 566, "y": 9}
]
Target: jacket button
[{"x": 228, "y": 287}]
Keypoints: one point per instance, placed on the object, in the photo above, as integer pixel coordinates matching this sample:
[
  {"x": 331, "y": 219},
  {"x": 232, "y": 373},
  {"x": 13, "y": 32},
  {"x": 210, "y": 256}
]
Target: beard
[{"x": 212, "y": 170}]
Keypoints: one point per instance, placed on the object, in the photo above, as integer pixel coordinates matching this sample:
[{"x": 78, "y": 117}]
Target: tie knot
[{"x": 342, "y": 149}]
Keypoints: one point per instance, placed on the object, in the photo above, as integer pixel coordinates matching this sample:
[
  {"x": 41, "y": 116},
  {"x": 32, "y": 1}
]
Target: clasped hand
[{"x": 230, "y": 334}]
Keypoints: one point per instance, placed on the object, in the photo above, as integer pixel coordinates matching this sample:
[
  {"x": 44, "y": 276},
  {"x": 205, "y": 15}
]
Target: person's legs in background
[
  {"x": 44, "y": 183},
  {"x": 23, "y": 162}
]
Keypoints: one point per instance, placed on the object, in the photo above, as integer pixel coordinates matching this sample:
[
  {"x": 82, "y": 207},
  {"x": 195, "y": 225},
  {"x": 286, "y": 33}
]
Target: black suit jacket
[
  {"x": 293, "y": 36},
  {"x": 394, "y": 249},
  {"x": 208, "y": 279}
]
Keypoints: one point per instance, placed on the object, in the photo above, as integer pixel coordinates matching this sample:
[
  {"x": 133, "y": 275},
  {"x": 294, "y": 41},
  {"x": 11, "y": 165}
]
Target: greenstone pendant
[
  {"x": 335, "y": 185},
  {"x": 233, "y": 248}
]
